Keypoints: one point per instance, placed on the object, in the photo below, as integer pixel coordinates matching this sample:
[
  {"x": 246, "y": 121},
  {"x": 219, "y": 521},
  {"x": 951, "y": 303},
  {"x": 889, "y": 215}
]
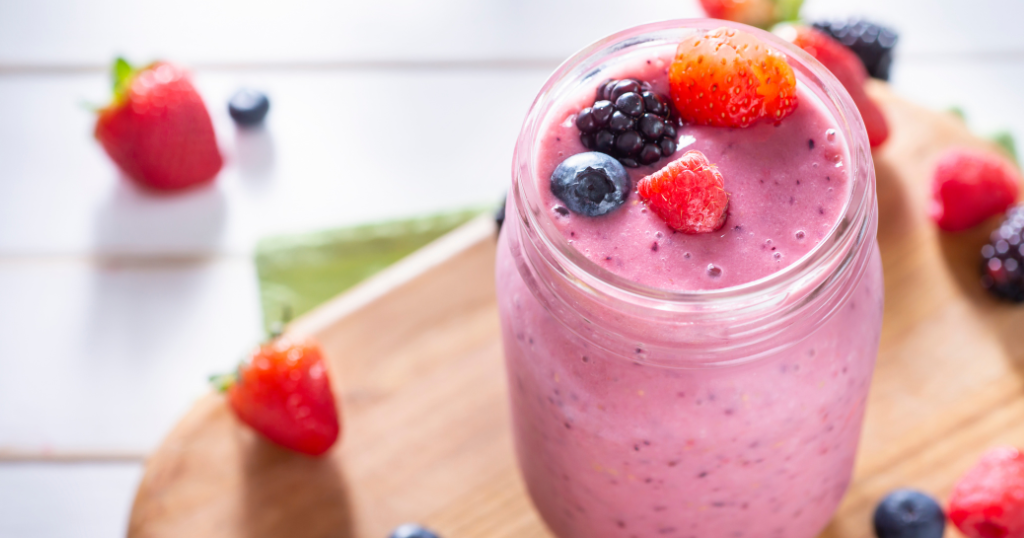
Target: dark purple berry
[
  {"x": 627, "y": 85},
  {"x": 628, "y": 143},
  {"x": 604, "y": 141},
  {"x": 655, "y": 104},
  {"x": 667, "y": 145},
  {"x": 872, "y": 43},
  {"x": 651, "y": 126},
  {"x": 603, "y": 112},
  {"x": 670, "y": 130},
  {"x": 650, "y": 153},
  {"x": 1002, "y": 259},
  {"x": 587, "y": 140},
  {"x": 248, "y": 107},
  {"x": 585, "y": 121},
  {"x": 620, "y": 122},
  {"x": 605, "y": 89},
  {"x": 629, "y": 162},
  {"x": 630, "y": 104}
]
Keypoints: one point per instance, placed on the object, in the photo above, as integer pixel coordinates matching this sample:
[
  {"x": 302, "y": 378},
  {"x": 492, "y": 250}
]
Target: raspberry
[
  {"x": 969, "y": 186},
  {"x": 872, "y": 43},
  {"x": 988, "y": 501},
  {"x": 728, "y": 78},
  {"x": 845, "y": 65},
  {"x": 1002, "y": 259},
  {"x": 688, "y": 194}
]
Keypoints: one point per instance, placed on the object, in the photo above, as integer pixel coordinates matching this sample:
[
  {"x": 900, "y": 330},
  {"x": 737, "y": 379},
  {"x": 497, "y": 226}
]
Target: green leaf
[
  {"x": 788, "y": 10},
  {"x": 958, "y": 112},
  {"x": 299, "y": 272},
  {"x": 122, "y": 76},
  {"x": 1006, "y": 141}
]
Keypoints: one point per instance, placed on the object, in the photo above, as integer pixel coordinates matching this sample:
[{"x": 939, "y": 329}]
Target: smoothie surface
[{"x": 788, "y": 186}]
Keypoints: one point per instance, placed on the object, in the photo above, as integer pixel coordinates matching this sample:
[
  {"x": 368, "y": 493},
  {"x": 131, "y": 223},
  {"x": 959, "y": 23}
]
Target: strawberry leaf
[{"x": 122, "y": 75}]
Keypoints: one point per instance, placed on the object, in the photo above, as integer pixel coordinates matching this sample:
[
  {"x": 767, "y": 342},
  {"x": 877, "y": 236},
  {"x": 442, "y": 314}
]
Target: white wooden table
[{"x": 115, "y": 304}]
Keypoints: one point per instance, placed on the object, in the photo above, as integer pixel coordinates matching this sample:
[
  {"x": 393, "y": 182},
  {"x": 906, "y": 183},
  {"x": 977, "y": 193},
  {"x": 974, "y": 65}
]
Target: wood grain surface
[{"x": 415, "y": 355}]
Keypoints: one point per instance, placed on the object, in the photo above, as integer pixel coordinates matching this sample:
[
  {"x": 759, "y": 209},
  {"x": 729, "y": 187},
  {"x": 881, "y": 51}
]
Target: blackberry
[
  {"x": 872, "y": 43},
  {"x": 629, "y": 122},
  {"x": 1002, "y": 259}
]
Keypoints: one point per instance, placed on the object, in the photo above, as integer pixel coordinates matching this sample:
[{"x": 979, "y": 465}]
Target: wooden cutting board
[{"x": 415, "y": 354}]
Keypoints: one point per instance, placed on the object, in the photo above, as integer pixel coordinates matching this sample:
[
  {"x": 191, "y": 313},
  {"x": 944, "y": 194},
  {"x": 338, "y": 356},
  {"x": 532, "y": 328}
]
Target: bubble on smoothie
[
  {"x": 561, "y": 211},
  {"x": 800, "y": 235},
  {"x": 830, "y": 135},
  {"x": 777, "y": 255},
  {"x": 569, "y": 121},
  {"x": 714, "y": 271}
]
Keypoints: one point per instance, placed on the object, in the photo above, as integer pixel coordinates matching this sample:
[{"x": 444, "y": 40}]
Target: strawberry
[
  {"x": 157, "y": 128},
  {"x": 846, "y": 67},
  {"x": 969, "y": 186},
  {"x": 688, "y": 194},
  {"x": 988, "y": 501},
  {"x": 283, "y": 392},
  {"x": 728, "y": 78},
  {"x": 761, "y": 13}
]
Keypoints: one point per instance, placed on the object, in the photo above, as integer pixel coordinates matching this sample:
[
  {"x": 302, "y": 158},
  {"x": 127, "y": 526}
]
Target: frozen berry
[
  {"x": 591, "y": 183},
  {"x": 906, "y": 513},
  {"x": 872, "y": 43},
  {"x": 688, "y": 194},
  {"x": 970, "y": 186},
  {"x": 412, "y": 530},
  {"x": 1002, "y": 259},
  {"x": 729, "y": 78},
  {"x": 988, "y": 501},
  {"x": 248, "y": 107},
  {"x": 848, "y": 69}
]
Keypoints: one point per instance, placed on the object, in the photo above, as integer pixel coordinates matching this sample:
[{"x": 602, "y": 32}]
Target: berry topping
[
  {"x": 248, "y": 107},
  {"x": 1002, "y": 259},
  {"x": 906, "y": 513},
  {"x": 591, "y": 183},
  {"x": 626, "y": 118},
  {"x": 988, "y": 501},
  {"x": 762, "y": 13},
  {"x": 412, "y": 530},
  {"x": 872, "y": 43},
  {"x": 728, "y": 78},
  {"x": 970, "y": 186},
  {"x": 848, "y": 69},
  {"x": 688, "y": 194}
]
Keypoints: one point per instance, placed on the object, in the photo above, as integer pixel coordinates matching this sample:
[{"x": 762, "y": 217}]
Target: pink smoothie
[{"x": 612, "y": 447}]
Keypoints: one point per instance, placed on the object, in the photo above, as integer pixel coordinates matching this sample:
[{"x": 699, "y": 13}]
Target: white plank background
[{"x": 116, "y": 304}]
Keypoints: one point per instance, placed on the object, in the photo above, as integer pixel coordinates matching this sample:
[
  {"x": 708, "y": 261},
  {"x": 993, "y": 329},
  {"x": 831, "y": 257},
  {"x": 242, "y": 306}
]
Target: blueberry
[
  {"x": 604, "y": 141},
  {"x": 629, "y": 143},
  {"x": 585, "y": 121},
  {"x": 906, "y": 513},
  {"x": 412, "y": 530},
  {"x": 623, "y": 86},
  {"x": 248, "y": 107},
  {"x": 651, "y": 126},
  {"x": 630, "y": 104},
  {"x": 620, "y": 122},
  {"x": 650, "y": 153},
  {"x": 591, "y": 183},
  {"x": 603, "y": 112},
  {"x": 667, "y": 145},
  {"x": 655, "y": 103}
]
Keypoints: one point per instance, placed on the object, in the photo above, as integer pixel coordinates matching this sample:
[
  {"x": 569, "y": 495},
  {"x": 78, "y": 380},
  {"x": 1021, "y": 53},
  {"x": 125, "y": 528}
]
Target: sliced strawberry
[
  {"x": 688, "y": 194},
  {"x": 988, "y": 501},
  {"x": 848, "y": 68},
  {"x": 728, "y": 78},
  {"x": 283, "y": 392},
  {"x": 969, "y": 186},
  {"x": 157, "y": 128}
]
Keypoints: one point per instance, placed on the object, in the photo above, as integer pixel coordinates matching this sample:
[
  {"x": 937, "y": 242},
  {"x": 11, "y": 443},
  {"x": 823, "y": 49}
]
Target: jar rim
[{"x": 834, "y": 97}]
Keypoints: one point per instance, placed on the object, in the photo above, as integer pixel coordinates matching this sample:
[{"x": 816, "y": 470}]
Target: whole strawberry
[
  {"x": 157, "y": 128},
  {"x": 762, "y": 13},
  {"x": 846, "y": 67},
  {"x": 283, "y": 392},
  {"x": 988, "y": 501},
  {"x": 729, "y": 78}
]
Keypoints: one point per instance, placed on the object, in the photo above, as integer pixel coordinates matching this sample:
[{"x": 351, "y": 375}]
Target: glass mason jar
[{"x": 729, "y": 412}]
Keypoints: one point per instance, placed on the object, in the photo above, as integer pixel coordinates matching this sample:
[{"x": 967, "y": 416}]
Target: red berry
[
  {"x": 157, "y": 128},
  {"x": 970, "y": 186},
  {"x": 283, "y": 392},
  {"x": 688, "y": 194},
  {"x": 728, "y": 78},
  {"x": 988, "y": 501},
  {"x": 848, "y": 68},
  {"x": 753, "y": 12}
]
